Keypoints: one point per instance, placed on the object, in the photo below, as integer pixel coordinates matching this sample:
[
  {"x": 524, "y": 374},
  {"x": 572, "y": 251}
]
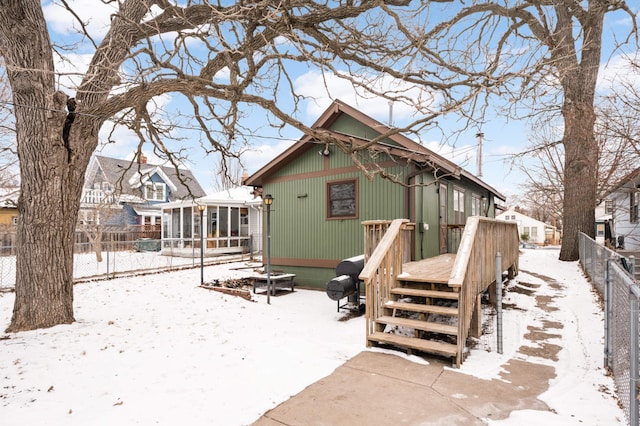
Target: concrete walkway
[{"x": 375, "y": 388}]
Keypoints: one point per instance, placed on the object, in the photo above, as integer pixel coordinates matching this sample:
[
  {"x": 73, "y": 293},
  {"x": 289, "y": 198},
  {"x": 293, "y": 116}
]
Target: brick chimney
[{"x": 142, "y": 159}]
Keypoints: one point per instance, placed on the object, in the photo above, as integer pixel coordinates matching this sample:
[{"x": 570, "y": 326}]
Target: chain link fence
[
  {"x": 121, "y": 253},
  {"x": 610, "y": 274}
]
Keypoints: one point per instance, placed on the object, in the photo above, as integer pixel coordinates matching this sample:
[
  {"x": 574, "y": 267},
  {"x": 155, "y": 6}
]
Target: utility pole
[{"x": 479, "y": 137}]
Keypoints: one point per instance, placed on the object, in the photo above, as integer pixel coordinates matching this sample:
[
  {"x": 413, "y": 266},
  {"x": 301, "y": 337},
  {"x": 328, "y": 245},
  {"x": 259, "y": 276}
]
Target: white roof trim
[{"x": 136, "y": 181}]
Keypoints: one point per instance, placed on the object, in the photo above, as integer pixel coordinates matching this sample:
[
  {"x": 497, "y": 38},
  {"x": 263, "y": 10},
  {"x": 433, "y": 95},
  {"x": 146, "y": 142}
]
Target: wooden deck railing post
[
  {"x": 384, "y": 257},
  {"x": 473, "y": 271}
]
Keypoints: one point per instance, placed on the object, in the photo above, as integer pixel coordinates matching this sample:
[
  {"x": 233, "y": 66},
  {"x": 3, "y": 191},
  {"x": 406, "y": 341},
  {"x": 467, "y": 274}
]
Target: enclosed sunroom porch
[{"x": 227, "y": 222}]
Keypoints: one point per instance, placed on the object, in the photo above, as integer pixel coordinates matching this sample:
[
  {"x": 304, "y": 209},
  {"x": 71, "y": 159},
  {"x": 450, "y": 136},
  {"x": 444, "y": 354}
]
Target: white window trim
[{"x": 157, "y": 186}]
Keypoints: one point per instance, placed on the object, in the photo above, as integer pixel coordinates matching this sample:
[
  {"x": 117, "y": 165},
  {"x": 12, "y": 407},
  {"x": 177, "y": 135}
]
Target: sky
[
  {"x": 159, "y": 349},
  {"x": 502, "y": 137}
]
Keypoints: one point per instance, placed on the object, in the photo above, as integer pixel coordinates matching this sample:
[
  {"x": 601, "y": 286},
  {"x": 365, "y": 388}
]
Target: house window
[
  {"x": 155, "y": 191},
  {"x": 476, "y": 207},
  {"x": 534, "y": 233},
  {"x": 633, "y": 207},
  {"x": 608, "y": 206},
  {"x": 342, "y": 199},
  {"x": 458, "y": 206}
]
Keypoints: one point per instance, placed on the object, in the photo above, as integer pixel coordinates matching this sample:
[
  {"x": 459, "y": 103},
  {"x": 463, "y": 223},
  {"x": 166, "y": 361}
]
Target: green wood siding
[
  {"x": 299, "y": 225},
  {"x": 427, "y": 212},
  {"x": 301, "y": 233}
]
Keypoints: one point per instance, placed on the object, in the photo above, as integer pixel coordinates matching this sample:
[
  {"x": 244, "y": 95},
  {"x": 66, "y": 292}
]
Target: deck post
[
  {"x": 476, "y": 318},
  {"x": 499, "y": 301}
]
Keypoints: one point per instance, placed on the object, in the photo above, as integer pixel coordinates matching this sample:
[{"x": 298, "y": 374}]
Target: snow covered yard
[{"x": 158, "y": 349}]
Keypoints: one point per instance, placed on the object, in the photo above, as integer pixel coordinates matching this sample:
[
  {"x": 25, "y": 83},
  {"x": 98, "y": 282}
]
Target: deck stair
[
  {"x": 419, "y": 316},
  {"x": 432, "y": 305}
]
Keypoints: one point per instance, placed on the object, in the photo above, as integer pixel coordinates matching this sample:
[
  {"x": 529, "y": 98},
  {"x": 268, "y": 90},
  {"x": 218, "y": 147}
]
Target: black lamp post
[
  {"x": 201, "y": 208},
  {"x": 268, "y": 200}
]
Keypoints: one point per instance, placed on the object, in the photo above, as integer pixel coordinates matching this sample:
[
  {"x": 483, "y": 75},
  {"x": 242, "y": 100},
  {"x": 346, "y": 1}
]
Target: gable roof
[
  {"x": 631, "y": 177},
  {"x": 520, "y": 216},
  {"x": 401, "y": 146},
  {"x": 126, "y": 176}
]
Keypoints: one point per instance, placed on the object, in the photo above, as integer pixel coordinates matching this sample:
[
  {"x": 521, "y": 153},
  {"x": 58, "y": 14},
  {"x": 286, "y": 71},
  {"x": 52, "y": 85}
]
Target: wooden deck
[
  {"x": 436, "y": 296},
  {"x": 433, "y": 270}
]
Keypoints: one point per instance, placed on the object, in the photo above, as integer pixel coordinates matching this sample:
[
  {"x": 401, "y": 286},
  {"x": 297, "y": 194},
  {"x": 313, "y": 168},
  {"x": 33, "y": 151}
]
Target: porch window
[
  {"x": 459, "y": 216},
  {"x": 186, "y": 223},
  {"x": 342, "y": 199},
  {"x": 155, "y": 191},
  {"x": 633, "y": 207},
  {"x": 244, "y": 222},
  {"x": 223, "y": 222},
  {"x": 166, "y": 223}
]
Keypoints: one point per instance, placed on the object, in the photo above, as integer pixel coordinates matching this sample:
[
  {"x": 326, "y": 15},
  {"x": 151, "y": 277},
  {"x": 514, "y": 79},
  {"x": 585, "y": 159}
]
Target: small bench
[{"x": 278, "y": 281}]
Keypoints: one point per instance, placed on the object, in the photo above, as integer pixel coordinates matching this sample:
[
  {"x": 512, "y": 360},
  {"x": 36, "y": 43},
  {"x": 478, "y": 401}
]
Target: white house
[
  {"x": 537, "y": 232},
  {"x": 623, "y": 202},
  {"x": 228, "y": 221}
]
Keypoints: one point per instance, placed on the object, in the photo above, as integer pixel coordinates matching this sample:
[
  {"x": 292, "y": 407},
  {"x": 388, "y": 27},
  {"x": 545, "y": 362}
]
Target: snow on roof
[{"x": 239, "y": 193}]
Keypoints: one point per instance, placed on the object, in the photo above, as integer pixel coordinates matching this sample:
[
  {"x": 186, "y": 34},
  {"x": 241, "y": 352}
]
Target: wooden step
[
  {"x": 429, "y": 346},
  {"x": 421, "y": 308},
  {"x": 435, "y": 294},
  {"x": 433, "y": 327}
]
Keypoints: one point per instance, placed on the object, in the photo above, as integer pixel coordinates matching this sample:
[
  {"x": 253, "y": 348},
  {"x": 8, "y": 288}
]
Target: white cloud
[
  {"x": 71, "y": 70},
  {"x": 94, "y": 14},
  {"x": 259, "y": 155},
  {"x": 619, "y": 70},
  {"x": 324, "y": 88}
]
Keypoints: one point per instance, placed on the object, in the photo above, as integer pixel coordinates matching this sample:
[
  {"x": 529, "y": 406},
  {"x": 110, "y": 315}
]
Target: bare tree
[
  {"x": 92, "y": 221},
  {"x": 222, "y": 61},
  {"x": 616, "y": 134},
  {"x": 227, "y": 62},
  {"x": 8, "y": 154},
  {"x": 537, "y": 57}
]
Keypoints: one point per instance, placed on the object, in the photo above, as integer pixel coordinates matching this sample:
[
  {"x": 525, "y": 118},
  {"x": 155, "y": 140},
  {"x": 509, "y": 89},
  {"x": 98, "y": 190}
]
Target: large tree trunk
[
  {"x": 54, "y": 149},
  {"x": 580, "y": 177},
  {"x": 578, "y": 75},
  {"x": 50, "y": 183}
]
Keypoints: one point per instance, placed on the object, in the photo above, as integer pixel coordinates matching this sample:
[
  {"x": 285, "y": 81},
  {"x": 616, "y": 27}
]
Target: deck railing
[
  {"x": 387, "y": 247},
  {"x": 474, "y": 269}
]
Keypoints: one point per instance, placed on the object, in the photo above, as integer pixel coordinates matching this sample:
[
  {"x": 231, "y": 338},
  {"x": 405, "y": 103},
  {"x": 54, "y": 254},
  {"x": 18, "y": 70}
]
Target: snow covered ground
[{"x": 158, "y": 349}]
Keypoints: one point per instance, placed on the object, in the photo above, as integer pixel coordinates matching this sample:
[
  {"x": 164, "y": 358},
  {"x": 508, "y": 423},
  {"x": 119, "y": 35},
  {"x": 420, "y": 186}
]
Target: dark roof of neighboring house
[
  {"x": 403, "y": 147},
  {"x": 129, "y": 175}
]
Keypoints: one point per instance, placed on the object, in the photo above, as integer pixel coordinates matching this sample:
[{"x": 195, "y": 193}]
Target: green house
[{"x": 321, "y": 198}]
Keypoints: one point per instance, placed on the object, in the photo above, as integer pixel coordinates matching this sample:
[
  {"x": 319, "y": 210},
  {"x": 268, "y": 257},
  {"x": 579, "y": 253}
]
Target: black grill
[{"x": 346, "y": 284}]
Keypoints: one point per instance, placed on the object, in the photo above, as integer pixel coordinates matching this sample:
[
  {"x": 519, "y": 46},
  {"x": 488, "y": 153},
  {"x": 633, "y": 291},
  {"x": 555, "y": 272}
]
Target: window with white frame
[
  {"x": 608, "y": 206},
  {"x": 633, "y": 207},
  {"x": 155, "y": 191},
  {"x": 458, "y": 206}
]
